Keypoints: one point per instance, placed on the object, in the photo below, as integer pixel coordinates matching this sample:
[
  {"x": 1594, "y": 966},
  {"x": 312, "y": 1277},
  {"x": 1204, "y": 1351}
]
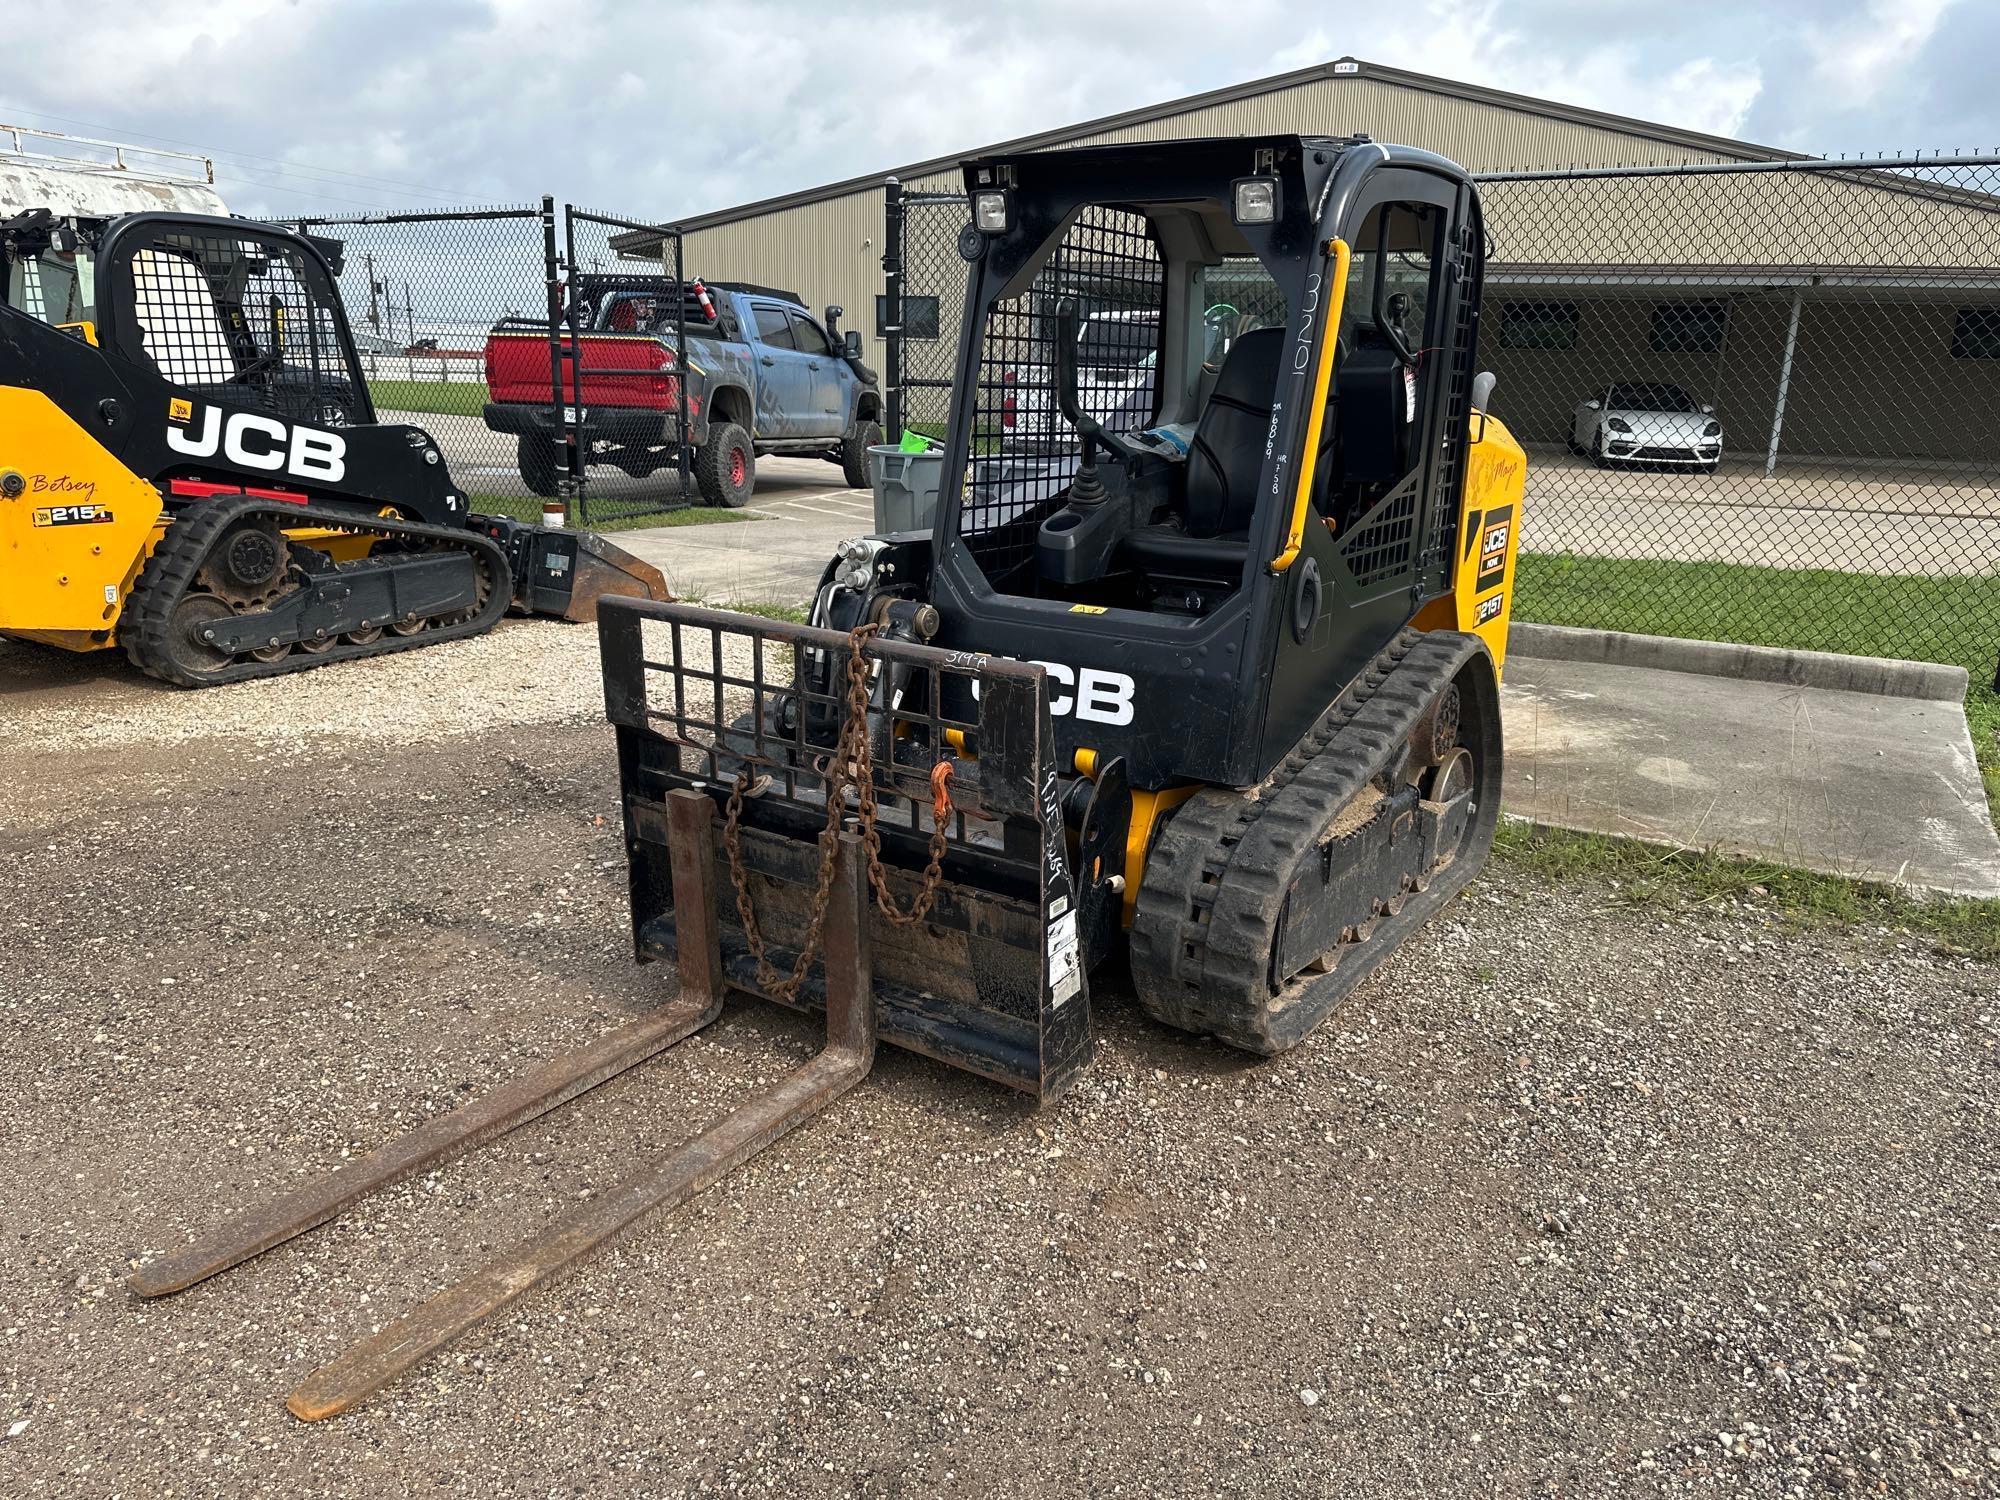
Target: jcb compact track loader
[
  {"x": 191, "y": 466},
  {"x": 1198, "y": 667}
]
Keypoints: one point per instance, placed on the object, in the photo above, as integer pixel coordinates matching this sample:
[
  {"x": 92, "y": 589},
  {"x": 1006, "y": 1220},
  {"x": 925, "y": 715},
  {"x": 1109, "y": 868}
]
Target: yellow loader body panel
[
  {"x": 1481, "y": 600},
  {"x": 75, "y": 526}
]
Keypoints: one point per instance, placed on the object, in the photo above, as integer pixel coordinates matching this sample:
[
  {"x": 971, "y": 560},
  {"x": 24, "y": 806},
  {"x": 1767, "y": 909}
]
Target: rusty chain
[{"x": 851, "y": 764}]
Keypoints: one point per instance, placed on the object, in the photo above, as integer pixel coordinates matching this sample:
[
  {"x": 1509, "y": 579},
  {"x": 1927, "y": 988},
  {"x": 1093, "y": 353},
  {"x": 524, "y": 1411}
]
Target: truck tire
[
  {"x": 535, "y": 457},
  {"x": 862, "y": 436},
  {"x": 725, "y": 467}
]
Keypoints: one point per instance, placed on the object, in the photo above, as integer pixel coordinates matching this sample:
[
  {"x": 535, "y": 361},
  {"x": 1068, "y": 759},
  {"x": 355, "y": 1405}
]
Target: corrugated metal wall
[{"x": 831, "y": 251}]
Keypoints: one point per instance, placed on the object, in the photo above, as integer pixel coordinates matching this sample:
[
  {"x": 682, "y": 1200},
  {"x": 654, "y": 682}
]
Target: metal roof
[{"x": 1339, "y": 69}]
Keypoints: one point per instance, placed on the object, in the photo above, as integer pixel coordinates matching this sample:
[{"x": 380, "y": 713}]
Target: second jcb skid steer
[
  {"x": 192, "y": 470},
  {"x": 1204, "y": 674}
]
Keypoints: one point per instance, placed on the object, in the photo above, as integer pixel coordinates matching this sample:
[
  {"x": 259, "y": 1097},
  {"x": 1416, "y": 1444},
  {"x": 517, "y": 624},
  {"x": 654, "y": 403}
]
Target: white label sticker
[
  {"x": 1409, "y": 395},
  {"x": 1065, "y": 970},
  {"x": 110, "y": 593}
]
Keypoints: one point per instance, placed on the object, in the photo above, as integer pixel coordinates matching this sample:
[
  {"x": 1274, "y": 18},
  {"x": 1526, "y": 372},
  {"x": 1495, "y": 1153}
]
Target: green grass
[
  {"x": 529, "y": 508},
  {"x": 1813, "y": 609},
  {"x": 764, "y": 610},
  {"x": 1632, "y": 874},
  {"x": 450, "y": 398}
]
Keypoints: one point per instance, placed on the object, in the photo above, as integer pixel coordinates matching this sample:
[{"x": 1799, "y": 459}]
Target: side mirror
[
  {"x": 852, "y": 343},
  {"x": 1482, "y": 396},
  {"x": 1708, "y": 411},
  {"x": 1593, "y": 406}
]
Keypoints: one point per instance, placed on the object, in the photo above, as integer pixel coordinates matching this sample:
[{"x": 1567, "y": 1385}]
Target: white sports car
[{"x": 1646, "y": 422}]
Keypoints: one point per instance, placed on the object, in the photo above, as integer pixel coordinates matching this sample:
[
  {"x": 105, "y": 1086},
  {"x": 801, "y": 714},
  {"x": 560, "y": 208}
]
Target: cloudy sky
[{"x": 664, "y": 109}]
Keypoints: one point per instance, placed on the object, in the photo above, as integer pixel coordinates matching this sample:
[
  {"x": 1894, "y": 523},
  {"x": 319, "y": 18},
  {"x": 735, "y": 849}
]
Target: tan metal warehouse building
[
  {"x": 826, "y": 242},
  {"x": 1814, "y": 286}
]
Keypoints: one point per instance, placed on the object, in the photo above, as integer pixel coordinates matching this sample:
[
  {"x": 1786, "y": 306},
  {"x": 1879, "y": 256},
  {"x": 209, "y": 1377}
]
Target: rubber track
[
  {"x": 170, "y": 572},
  {"x": 1206, "y": 919}
]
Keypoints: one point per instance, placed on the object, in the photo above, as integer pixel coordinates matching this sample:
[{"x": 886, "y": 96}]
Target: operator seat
[{"x": 1209, "y": 540}]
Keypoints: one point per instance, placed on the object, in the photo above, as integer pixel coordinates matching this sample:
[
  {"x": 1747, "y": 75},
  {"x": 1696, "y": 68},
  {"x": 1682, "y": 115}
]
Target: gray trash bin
[{"x": 906, "y": 487}]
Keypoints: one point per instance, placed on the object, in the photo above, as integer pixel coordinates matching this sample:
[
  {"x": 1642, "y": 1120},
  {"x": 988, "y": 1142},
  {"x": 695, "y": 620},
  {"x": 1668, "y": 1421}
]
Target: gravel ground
[
  {"x": 1571, "y": 1200},
  {"x": 523, "y": 672}
]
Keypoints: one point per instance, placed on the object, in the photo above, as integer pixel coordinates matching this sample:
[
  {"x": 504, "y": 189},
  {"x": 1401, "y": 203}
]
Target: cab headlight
[
  {"x": 1617, "y": 424},
  {"x": 1255, "y": 200},
  {"x": 993, "y": 211}
]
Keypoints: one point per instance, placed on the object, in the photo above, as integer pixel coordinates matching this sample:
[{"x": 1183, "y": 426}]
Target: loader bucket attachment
[
  {"x": 565, "y": 573},
  {"x": 991, "y": 980},
  {"x": 607, "y": 572}
]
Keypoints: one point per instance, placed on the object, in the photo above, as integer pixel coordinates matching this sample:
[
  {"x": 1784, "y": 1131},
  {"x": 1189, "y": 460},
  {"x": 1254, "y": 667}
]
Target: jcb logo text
[{"x": 251, "y": 440}]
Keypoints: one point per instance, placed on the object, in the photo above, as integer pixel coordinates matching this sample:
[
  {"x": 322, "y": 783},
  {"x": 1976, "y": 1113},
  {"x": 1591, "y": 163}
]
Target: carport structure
[{"x": 1831, "y": 312}]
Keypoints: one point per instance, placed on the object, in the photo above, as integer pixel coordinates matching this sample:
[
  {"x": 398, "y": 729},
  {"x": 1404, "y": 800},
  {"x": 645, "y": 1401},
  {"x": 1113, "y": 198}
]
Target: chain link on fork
[{"x": 851, "y": 764}]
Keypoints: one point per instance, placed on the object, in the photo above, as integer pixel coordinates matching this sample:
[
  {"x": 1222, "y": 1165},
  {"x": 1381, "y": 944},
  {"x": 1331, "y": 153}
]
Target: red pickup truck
[{"x": 763, "y": 376}]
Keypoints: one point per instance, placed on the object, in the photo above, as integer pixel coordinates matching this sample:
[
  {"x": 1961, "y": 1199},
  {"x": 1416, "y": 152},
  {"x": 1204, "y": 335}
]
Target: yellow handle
[{"x": 1329, "y": 340}]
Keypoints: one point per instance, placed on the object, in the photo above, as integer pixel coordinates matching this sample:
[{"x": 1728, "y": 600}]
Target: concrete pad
[
  {"x": 1849, "y": 783},
  {"x": 798, "y": 518}
]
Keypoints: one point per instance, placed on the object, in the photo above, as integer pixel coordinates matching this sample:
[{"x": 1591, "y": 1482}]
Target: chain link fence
[
  {"x": 628, "y": 404},
  {"x": 467, "y": 324},
  {"x": 1757, "y": 400},
  {"x": 924, "y": 228},
  {"x": 423, "y": 292}
]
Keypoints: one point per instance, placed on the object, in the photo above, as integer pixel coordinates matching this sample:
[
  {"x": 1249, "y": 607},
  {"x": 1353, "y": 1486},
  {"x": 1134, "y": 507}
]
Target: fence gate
[
  {"x": 922, "y": 333},
  {"x": 625, "y": 403},
  {"x": 422, "y": 291}
]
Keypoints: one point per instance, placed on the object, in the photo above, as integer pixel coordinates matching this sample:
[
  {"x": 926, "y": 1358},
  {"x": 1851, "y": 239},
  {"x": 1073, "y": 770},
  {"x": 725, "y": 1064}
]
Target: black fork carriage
[{"x": 740, "y": 766}]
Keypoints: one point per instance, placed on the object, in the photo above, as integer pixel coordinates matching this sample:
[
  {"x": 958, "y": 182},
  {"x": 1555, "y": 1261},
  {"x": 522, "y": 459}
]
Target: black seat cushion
[{"x": 1228, "y": 449}]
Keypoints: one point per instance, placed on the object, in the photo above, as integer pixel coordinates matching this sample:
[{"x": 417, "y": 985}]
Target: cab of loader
[
  {"x": 244, "y": 314},
  {"x": 1209, "y": 441}
]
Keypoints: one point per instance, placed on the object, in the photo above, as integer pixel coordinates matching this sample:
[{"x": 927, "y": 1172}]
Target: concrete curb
[{"x": 1818, "y": 669}]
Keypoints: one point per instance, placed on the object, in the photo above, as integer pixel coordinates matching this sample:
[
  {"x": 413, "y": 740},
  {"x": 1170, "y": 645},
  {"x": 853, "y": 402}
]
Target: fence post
[
  {"x": 552, "y": 274},
  {"x": 1784, "y": 382},
  {"x": 681, "y": 356},
  {"x": 576, "y": 446},
  {"x": 892, "y": 304}
]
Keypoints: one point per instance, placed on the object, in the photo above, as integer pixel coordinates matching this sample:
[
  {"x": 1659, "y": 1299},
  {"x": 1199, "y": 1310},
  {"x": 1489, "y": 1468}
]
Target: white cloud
[
  {"x": 651, "y": 110},
  {"x": 1866, "y": 54}
]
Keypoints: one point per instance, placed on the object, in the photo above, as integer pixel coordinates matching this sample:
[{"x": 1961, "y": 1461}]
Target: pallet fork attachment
[
  {"x": 665, "y": 1183},
  {"x": 987, "y": 979}
]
